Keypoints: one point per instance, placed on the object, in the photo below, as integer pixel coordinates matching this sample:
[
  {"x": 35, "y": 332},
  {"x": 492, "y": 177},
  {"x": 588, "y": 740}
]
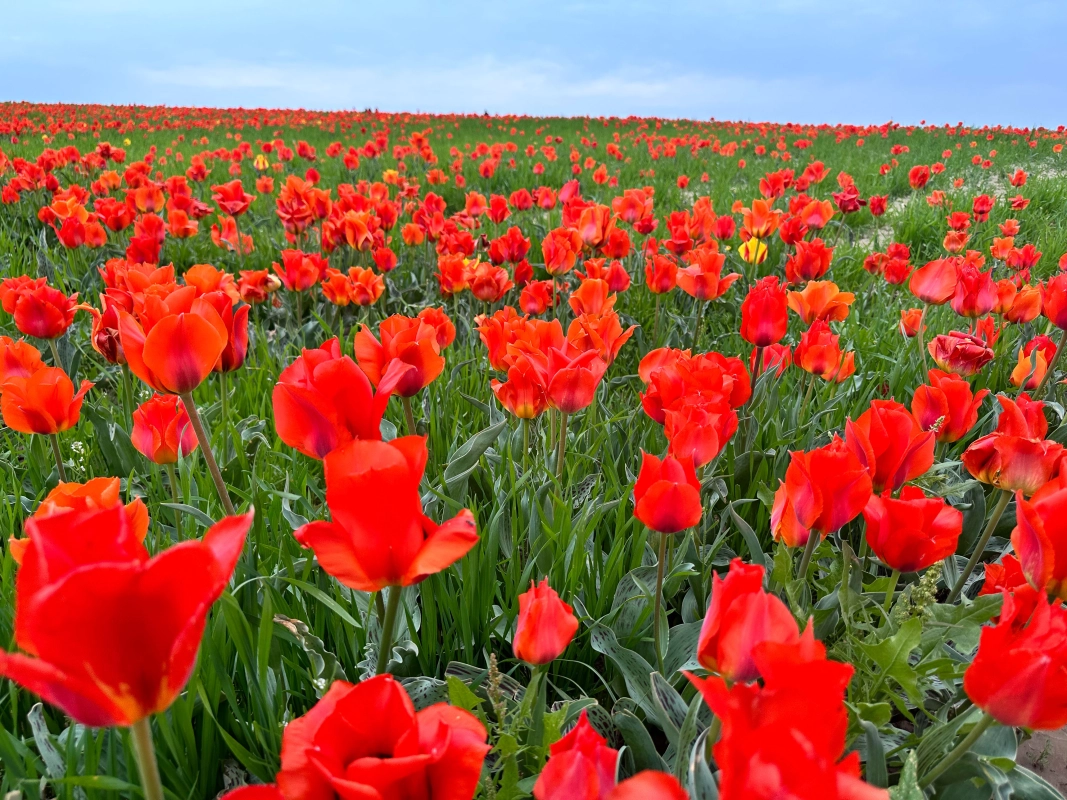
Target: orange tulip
[
  {"x": 820, "y": 300},
  {"x": 404, "y": 339},
  {"x": 44, "y": 402}
]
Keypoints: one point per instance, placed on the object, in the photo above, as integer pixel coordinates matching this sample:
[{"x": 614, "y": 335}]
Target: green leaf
[
  {"x": 460, "y": 695},
  {"x": 634, "y": 669},
  {"x": 749, "y": 535},
  {"x": 702, "y": 784},
  {"x": 325, "y": 668},
  {"x": 907, "y": 787},
  {"x": 670, "y": 707},
  {"x": 958, "y": 623},
  {"x": 640, "y": 743},
  {"x": 682, "y": 648},
  {"x": 891, "y": 656},
  {"x": 1026, "y": 785},
  {"x": 877, "y": 774},
  {"x": 465, "y": 459}
]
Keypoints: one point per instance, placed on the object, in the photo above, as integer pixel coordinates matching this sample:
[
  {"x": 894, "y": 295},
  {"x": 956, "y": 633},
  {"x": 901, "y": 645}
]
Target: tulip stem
[
  {"x": 1039, "y": 391},
  {"x": 175, "y": 494},
  {"x": 919, "y": 336},
  {"x": 958, "y": 751},
  {"x": 804, "y": 406},
  {"x": 809, "y": 550},
  {"x": 205, "y": 447},
  {"x": 655, "y": 324},
  {"x": 388, "y": 626},
  {"x": 57, "y": 361},
  {"x": 696, "y": 324},
  {"x": 979, "y": 548},
  {"x": 141, "y": 737},
  {"x": 409, "y": 417},
  {"x": 657, "y": 602},
  {"x": 129, "y": 399},
  {"x": 59, "y": 456},
  {"x": 224, "y": 391},
  {"x": 891, "y": 590},
  {"x": 561, "y": 452},
  {"x": 525, "y": 443}
]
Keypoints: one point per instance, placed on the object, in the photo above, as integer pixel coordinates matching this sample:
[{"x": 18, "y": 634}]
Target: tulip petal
[{"x": 445, "y": 545}]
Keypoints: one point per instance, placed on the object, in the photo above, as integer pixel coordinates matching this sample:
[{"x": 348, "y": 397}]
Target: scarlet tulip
[
  {"x": 162, "y": 431},
  {"x": 364, "y": 286},
  {"x": 649, "y": 785},
  {"x": 1015, "y": 456},
  {"x": 300, "y": 271},
  {"x": 232, "y": 197},
  {"x": 961, "y": 353},
  {"x": 1054, "y": 300},
  {"x": 889, "y": 441},
  {"x": 823, "y": 490},
  {"x": 741, "y": 617},
  {"x": 523, "y": 393},
  {"x": 407, "y": 340},
  {"x": 235, "y": 323},
  {"x": 947, "y": 406},
  {"x": 1019, "y": 675},
  {"x": 818, "y": 351},
  {"x": 975, "y": 294},
  {"x": 39, "y": 309},
  {"x": 43, "y": 402},
  {"x": 379, "y": 536},
  {"x": 545, "y": 627},
  {"x": 764, "y": 313},
  {"x": 446, "y": 330},
  {"x": 811, "y": 261},
  {"x": 661, "y": 274},
  {"x": 18, "y": 359},
  {"x": 1040, "y": 537},
  {"x": 703, "y": 278},
  {"x": 323, "y": 401},
  {"x": 667, "y": 494},
  {"x": 560, "y": 249},
  {"x": 912, "y": 532},
  {"x": 111, "y": 634},
  {"x": 910, "y": 320},
  {"x": 255, "y": 285},
  {"x": 699, "y": 428},
  {"x": 935, "y": 282},
  {"x": 580, "y": 766}
]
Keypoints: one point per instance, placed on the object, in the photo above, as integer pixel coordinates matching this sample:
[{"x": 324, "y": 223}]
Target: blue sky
[{"x": 784, "y": 60}]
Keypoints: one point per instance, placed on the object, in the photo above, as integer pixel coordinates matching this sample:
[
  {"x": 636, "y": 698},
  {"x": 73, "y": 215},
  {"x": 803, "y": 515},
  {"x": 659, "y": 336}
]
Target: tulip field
[{"x": 386, "y": 456}]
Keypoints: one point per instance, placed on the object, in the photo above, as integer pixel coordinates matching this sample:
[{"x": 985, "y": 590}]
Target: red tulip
[
  {"x": 446, "y": 331},
  {"x": 888, "y": 440},
  {"x": 580, "y": 766},
  {"x": 661, "y": 273},
  {"x": 742, "y": 616},
  {"x": 44, "y": 402},
  {"x": 560, "y": 249},
  {"x": 379, "y": 536},
  {"x": 232, "y": 198},
  {"x": 934, "y": 282},
  {"x": 823, "y": 490},
  {"x": 1054, "y": 300},
  {"x": 703, "y": 279},
  {"x": 947, "y": 406},
  {"x": 960, "y": 353},
  {"x": 975, "y": 294},
  {"x": 819, "y": 352},
  {"x": 300, "y": 271},
  {"x": 236, "y": 325},
  {"x": 111, "y": 634},
  {"x": 811, "y": 261},
  {"x": 546, "y": 625},
  {"x": 820, "y": 300},
  {"x": 649, "y": 785},
  {"x": 522, "y": 394},
  {"x": 407, "y": 340},
  {"x": 1040, "y": 537},
  {"x": 18, "y": 359},
  {"x": 39, "y": 309},
  {"x": 764, "y": 313},
  {"x": 1019, "y": 675},
  {"x": 1016, "y": 456},
  {"x": 366, "y": 741},
  {"x": 323, "y": 401},
  {"x": 667, "y": 494},
  {"x": 162, "y": 431},
  {"x": 489, "y": 283},
  {"x": 912, "y": 532},
  {"x": 570, "y": 377}
]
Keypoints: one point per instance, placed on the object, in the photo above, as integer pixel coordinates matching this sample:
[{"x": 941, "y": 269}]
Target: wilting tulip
[
  {"x": 43, "y": 402},
  {"x": 39, "y": 309},
  {"x": 545, "y": 627},
  {"x": 820, "y": 300},
  {"x": 961, "y": 353},
  {"x": 368, "y": 741},
  {"x": 912, "y": 532},
  {"x": 404, "y": 339},
  {"x": 889, "y": 441},
  {"x": 162, "y": 431},
  {"x": 1040, "y": 537},
  {"x": 1019, "y": 675},
  {"x": 323, "y": 401},
  {"x": 741, "y": 617},
  {"x": 379, "y": 536},
  {"x": 947, "y": 406},
  {"x": 580, "y": 766},
  {"x": 764, "y": 313},
  {"x": 823, "y": 490},
  {"x": 667, "y": 494},
  {"x": 1016, "y": 456},
  {"x": 110, "y": 633},
  {"x": 93, "y": 495}
]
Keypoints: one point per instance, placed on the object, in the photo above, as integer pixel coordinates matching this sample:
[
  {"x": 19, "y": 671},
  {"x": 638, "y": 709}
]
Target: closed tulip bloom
[
  {"x": 934, "y": 282},
  {"x": 667, "y": 494},
  {"x": 44, "y": 402},
  {"x": 649, "y": 784},
  {"x": 235, "y": 322},
  {"x": 379, "y": 536},
  {"x": 741, "y": 617},
  {"x": 1040, "y": 537},
  {"x": 489, "y": 283},
  {"x": 94, "y": 494},
  {"x": 591, "y": 297},
  {"x": 818, "y": 351},
  {"x": 661, "y": 274},
  {"x": 175, "y": 352},
  {"x": 699, "y": 429},
  {"x": 18, "y": 359},
  {"x": 947, "y": 406},
  {"x": 367, "y": 741},
  {"x": 889, "y": 441},
  {"x": 820, "y": 300},
  {"x": 571, "y": 377},
  {"x": 536, "y": 297},
  {"x": 407, "y": 340},
  {"x": 442, "y": 325},
  {"x": 1054, "y": 300},
  {"x": 960, "y": 353},
  {"x": 323, "y": 401},
  {"x": 823, "y": 490},
  {"x": 232, "y": 197},
  {"x": 522, "y": 393},
  {"x": 39, "y": 309},
  {"x": 335, "y": 287},
  {"x": 1031, "y": 367},
  {"x": 975, "y": 294},
  {"x": 560, "y": 249},
  {"x": 910, "y": 320},
  {"x": 811, "y": 261},
  {"x": 162, "y": 431},
  {"x": 110, "y": 633},
  {"x": 546, "y": 625},
  {"x": 912, "y": 532},
  {"x": 580, "y": 766},
  {"x": 1019, "y": 675},
  {"x": 764, "y": 313},
  {"x": 774, "y": 356}
]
